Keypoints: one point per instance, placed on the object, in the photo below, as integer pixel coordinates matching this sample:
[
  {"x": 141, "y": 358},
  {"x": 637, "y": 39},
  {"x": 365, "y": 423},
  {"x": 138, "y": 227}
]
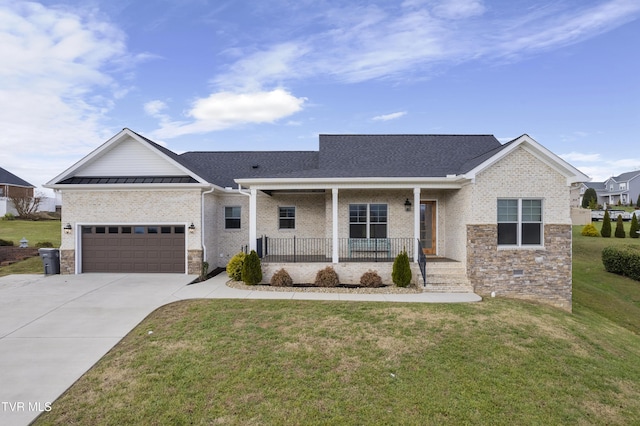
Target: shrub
[
  {"x": 590, "y": 231},
  {"x": 622, "y": 260},
  {"x": 44, "y": 244},
  {"x": 589, "y": 198},
  {"x": 633, "y": 230},
  {"x": 251, "y": 269},
  {"x": 9, "y": 216},
  {"x": 281, "y": 279},
  {"x": 620, "y": 228},
  {"x": 5, "y": 242},
  {"x": 370, "y": 279},
  {"x": 606, "y": 225},
  {"x": 401, "y": 273},
  {"x": 327, "y": 277},
  {"x": 234, "y": 267}
]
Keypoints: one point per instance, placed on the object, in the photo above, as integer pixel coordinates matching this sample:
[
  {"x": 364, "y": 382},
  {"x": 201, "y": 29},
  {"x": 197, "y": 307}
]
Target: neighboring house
[
  {"x": 622, "y": 189},
  {"x": 499, "y": 213},
  {"x": 12, "y": 186}
]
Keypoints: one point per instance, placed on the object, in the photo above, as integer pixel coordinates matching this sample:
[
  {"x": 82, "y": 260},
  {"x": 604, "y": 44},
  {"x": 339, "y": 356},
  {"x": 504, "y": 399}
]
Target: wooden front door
[{"x": 428, "y": 227}]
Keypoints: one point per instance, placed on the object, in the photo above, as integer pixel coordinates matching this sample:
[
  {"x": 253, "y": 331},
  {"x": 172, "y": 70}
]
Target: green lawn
[
  {"x": 34, "y": 232},
  {"x": 499, "y": 362}
]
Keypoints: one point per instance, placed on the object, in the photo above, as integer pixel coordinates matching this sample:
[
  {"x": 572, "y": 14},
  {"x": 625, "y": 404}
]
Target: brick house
[{"x": 495, "y": 215}]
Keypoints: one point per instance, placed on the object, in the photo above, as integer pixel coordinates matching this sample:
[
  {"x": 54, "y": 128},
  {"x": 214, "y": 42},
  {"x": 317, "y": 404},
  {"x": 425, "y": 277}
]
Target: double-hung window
[
  {"x": 368, "y": 221},
  {"x": 520, "y": 222},
  {"x": 286, "y": 217},
  {"x": 232, "y": 217}
]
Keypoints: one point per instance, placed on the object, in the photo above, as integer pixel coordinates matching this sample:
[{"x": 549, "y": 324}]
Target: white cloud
[
  {"x": 459, "y": 9},
  {"x": 54, "y": 87},
  {"x": 578, "y": 156},
  {"x": 223, "y": 110},
  {"x": 391, "y": 116},
  {"x": 355, "y": 43},
  {"x": 154, "y": 108}
]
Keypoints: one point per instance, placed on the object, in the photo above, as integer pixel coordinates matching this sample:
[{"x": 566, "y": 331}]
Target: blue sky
[{"x": 273, "y": 74}]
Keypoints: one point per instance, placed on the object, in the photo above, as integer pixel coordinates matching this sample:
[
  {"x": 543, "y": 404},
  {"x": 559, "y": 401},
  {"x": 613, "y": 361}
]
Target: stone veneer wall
[{"x": 545, "y": 273}]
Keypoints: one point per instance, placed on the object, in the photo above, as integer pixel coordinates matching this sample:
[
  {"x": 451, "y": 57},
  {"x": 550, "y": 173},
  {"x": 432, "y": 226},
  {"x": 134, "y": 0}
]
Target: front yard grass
[
  {"x": 498, "y": 362},
  {"x": 34, "y": 232}
]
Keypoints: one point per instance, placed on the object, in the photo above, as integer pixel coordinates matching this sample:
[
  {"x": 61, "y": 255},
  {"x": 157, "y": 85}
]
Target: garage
[{"x": 133, "y": 248}]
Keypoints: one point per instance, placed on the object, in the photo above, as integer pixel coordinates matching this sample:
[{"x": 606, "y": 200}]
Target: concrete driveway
[{"x": 53, "y": 329}]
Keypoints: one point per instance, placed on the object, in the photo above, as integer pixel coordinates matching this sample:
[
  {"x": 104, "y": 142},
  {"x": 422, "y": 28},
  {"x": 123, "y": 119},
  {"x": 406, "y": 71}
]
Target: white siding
[{"x": 129, "y": 158}]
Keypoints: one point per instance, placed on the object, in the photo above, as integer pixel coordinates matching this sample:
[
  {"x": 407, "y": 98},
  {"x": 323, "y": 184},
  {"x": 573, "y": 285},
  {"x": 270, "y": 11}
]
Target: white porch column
[
  {"x": 416, "y": 222},
  {"x": 335, "y": 255},
  {"x": 253, "y": 220}
]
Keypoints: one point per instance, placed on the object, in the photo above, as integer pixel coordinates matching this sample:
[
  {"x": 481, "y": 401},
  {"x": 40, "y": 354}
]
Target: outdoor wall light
[
  {"x": 407, "y": 205},
  {"x": 192, "y": 228},
  {"x": 67, "y": 228}
]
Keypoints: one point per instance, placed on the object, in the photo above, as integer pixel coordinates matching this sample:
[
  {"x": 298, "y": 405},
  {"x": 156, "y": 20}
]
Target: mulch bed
[{"x": 342, "y": 288}]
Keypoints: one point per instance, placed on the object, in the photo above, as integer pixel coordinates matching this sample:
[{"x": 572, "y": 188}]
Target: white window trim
[
  {"x": 295, "y": 222},
  {"x": 368, "y": 222},
  {"x": 232, "y": 217},
  {"x": 519, "y": 244}
]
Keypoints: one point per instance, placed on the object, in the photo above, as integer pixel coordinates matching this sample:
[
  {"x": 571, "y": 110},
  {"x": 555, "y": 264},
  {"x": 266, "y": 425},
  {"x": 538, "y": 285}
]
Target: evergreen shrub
[
  {"x": 234, "y": 267},
  {"x": 251, "y": 269},
  {"x": 622, "y": 260},
  {"x": 401, "y": 273},
  {"x": 633, "y": 230},
  {"x": 590, "y": 231},
  {"x": 620, "y": 228},
  {"x": 605, "y": 231}
]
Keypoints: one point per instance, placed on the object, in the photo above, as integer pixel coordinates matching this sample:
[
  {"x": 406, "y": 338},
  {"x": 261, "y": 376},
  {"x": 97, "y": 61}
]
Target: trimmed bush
[
  {"x": 401, "y": 273},
  {"x": 8, "y": 216},
  {"x": 44, "y": 244},
  {"x": 370, "y": 279},
  {"x": 281, "y": 279},
  {"x": 620, "y": 228},
  {"x": 590, "y": 231},
  {"x": 633, "y": 230},
  {"x": 234, "y": 267},
  {"x": 589, "y": 198},
  {"x": 606, "y": 225},
  {"x": 622, "y": 260},
  {"x": 5, "y": 242},
  {"x": 251, "y": 269},
  {"x": 327, "y": 277}
]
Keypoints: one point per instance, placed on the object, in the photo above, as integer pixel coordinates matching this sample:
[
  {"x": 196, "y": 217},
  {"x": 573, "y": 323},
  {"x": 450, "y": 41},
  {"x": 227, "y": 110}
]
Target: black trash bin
[{"x": 50, "y": 260}]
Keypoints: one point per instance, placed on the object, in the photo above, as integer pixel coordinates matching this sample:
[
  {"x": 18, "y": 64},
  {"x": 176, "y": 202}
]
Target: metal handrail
[{"x": 422, "y": 262}]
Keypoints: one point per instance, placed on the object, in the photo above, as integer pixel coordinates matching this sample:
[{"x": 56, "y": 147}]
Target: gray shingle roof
[
  {"x": 8, "y": 178},
  {"x": 221, "y": 168},
  {"x": 626, "y": 176},
  {"x": 351, "y": 156}
]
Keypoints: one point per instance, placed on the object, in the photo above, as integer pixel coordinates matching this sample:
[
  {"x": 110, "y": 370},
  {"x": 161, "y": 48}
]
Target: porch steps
[{"x": 446, "y": 277}]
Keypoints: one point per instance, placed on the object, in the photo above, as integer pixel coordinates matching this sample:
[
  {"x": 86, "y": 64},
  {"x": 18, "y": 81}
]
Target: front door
[{"x": 428, "y": 226}]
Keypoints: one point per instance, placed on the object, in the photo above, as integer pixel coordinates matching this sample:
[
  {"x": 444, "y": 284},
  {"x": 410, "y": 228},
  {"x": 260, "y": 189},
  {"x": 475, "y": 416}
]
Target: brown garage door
[{"x": 144, "y": 248}]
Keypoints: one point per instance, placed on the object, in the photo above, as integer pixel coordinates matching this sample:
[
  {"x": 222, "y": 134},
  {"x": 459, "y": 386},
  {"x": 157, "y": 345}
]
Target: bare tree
[{"x": 27, "y": 207}]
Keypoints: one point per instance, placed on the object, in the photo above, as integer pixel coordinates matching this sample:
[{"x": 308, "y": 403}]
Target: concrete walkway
[{"x": 53, "y": 329}]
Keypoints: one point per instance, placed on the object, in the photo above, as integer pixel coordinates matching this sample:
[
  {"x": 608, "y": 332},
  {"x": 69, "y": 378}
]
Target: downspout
[{"x": 204, "y": 246}]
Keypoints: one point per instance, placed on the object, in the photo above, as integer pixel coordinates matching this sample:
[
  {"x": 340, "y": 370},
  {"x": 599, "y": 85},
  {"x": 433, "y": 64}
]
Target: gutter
[{"x": 204, "y": 246}]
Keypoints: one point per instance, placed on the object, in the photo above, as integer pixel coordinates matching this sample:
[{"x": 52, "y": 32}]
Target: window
[
  {"x": 367, "y": 221},
  {"x": 232, "y": 217},
  {"x": 520, "y": 222},
  {"x": 287, "y": 217}
]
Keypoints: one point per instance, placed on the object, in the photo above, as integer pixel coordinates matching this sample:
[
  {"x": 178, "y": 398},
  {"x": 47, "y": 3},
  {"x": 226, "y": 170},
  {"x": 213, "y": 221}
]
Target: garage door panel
[{"x": 146, "y": 249}]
